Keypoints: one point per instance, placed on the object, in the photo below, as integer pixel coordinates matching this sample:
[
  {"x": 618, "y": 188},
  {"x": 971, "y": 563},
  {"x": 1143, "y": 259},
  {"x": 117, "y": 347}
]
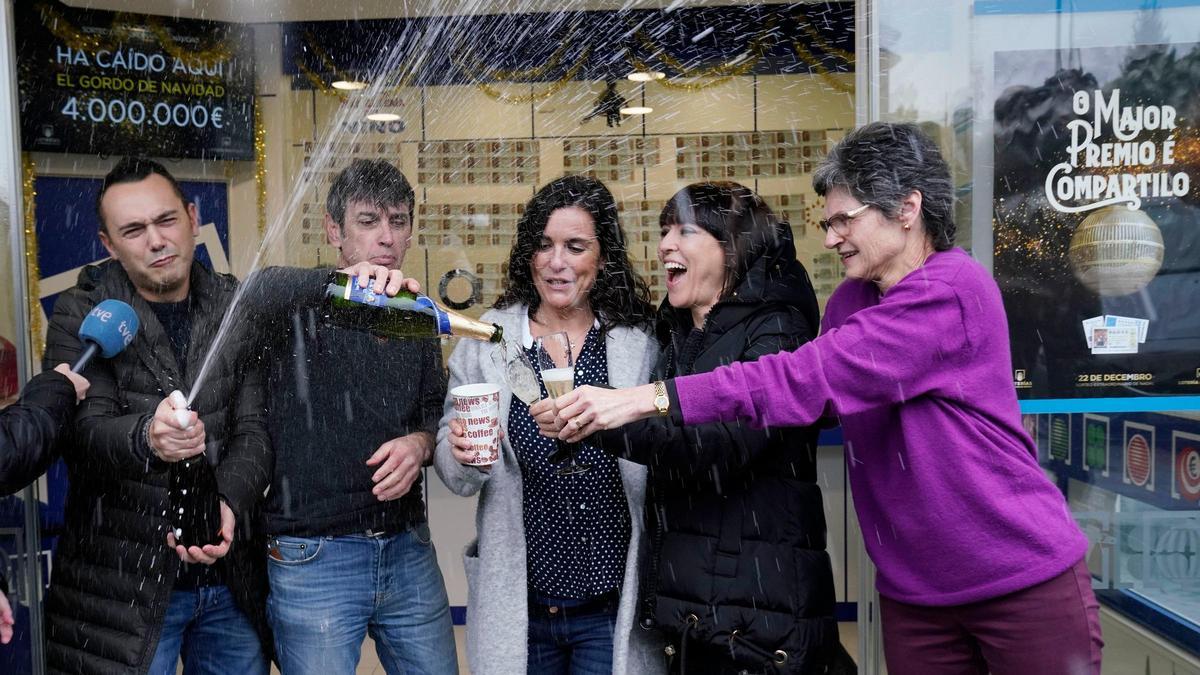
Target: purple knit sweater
[{"x": 953, "y": 505}]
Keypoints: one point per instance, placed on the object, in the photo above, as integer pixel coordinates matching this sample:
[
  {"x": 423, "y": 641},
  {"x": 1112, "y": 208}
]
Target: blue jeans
[
  {"x": 328, "y": 592},
  {"x": 567, "y": 640},
  {"x": 205, "y": 628}
]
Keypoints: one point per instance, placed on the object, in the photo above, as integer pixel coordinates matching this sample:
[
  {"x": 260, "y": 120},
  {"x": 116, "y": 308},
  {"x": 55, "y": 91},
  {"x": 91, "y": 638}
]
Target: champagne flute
[
  {"x": 519, "y": 371},
  {"x": 557, "y": 366}
]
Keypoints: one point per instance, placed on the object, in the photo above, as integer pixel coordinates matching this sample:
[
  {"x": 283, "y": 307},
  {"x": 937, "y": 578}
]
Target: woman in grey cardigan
[{"x": 552, "y": 574}]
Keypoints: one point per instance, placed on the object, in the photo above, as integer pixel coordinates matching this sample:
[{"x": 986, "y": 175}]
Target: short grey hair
[{"x": 881, "y": 163}]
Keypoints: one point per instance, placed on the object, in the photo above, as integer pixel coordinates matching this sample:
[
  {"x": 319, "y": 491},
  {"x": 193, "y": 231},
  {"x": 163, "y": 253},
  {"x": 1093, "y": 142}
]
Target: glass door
[
  {"x": 1071, "y": 129},
  {"x": 20, "y": 547}
]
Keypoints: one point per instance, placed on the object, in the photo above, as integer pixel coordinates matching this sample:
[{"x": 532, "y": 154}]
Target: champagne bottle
[
  {"x": 405, "y": 315},
  {"x": 195, "y": 506},
  {"x": 192, "y": 493}
]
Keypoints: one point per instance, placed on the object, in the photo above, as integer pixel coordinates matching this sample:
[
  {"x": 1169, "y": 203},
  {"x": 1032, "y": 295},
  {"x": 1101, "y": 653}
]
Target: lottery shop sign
[{"x": 95, "y": 82}]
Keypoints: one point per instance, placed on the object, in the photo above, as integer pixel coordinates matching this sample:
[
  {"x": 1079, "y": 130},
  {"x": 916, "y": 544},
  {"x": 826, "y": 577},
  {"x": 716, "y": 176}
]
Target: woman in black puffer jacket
[{"x": 739, "y": 579}]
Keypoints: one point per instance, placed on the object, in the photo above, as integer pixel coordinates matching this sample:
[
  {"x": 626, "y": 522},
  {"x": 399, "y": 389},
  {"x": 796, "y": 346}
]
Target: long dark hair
[
  {"x": 619, "y": 297},
  {"x": 739, "y": 219}
]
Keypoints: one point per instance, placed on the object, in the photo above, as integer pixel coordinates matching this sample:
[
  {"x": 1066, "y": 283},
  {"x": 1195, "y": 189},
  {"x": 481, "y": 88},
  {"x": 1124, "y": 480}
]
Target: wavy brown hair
[{"x": 619, "y": 297}]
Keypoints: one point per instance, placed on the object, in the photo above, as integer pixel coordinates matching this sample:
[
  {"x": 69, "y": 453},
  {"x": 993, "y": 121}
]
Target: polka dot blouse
[{"x": 576, "y": 527}]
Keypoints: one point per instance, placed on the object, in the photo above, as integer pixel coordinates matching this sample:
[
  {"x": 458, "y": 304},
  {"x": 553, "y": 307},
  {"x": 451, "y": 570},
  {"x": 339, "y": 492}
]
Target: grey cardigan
[{"x": 497, "y": 595}]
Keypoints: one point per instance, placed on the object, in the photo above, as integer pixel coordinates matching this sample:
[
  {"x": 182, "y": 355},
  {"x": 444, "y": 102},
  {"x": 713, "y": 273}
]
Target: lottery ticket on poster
[
  {"x": 1140, "y": 325},
  {"x": 1114, "y": 341},
  {"x": 1110, "y": 334}
]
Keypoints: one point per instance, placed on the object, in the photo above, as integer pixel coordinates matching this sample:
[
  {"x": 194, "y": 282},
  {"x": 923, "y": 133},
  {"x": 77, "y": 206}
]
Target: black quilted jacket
[
  {"x": 113, "y": 573},
  {"x": 739, "y": 578}
]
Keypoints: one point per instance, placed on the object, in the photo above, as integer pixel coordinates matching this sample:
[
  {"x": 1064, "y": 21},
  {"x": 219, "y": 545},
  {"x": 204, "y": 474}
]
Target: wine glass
[
  {"x": 557, "y": 365},
  {"x": 520, "y": 373}
]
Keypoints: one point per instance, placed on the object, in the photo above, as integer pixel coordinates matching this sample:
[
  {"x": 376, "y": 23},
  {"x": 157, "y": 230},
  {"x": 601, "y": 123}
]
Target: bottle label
[
  {"x": 421, "y": 303},
  {"x": 443, "y": 319},
  {"x": 366, "y": 296}
]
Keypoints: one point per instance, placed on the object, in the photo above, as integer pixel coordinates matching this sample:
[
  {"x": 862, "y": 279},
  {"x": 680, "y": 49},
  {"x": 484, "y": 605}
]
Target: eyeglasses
[{"x": 840, "y": 223}]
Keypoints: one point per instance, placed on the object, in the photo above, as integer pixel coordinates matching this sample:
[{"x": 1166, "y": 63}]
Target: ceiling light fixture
[
  {"x": 646, "y": 75},
  {"x": 349, "y": 85},
  {"x": 383, "y": 117},
  {"x": 636, "y": 110}
]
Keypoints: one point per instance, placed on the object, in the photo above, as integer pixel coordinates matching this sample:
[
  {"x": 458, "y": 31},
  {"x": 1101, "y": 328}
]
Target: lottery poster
[{"x": 1097, "y": 219}]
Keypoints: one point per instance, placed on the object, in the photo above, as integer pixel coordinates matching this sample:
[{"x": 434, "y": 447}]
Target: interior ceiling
[{"x": 267, "y": 11}]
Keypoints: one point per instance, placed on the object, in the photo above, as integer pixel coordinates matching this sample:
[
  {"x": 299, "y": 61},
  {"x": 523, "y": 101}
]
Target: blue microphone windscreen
[{"x": 111, "y": 324}]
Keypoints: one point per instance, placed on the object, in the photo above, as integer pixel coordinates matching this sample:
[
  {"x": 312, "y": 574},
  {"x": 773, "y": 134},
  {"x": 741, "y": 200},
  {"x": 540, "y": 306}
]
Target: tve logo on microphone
[
  {"x": 107, "y": 329},
  {"x": 112, "y": 325},
  {"x": 124, "y": 329}
]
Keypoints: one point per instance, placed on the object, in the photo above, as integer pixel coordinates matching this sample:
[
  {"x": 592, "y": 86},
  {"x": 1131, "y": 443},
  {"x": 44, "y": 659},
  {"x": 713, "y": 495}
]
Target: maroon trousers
[{"x": 1052, "y": 628}]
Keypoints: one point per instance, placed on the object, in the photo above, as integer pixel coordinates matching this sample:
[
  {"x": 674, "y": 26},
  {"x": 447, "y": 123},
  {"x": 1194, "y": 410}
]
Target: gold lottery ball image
[{"x": 1116, "y": 250}]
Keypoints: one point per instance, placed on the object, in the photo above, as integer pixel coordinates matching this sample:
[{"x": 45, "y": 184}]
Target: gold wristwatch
[{"x": 661, "y": 402}]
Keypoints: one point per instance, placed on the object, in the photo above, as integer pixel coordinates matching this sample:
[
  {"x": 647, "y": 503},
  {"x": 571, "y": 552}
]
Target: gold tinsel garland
[
  {"x": 711, "y": 76},
  {"x": 823, "y": 44},
  {"x": 319, "y": 84},
  {"x": 546, "y": 93},
  {"x": 480, "y": 70},
  {"x": 260, "y": 168},
  {"x": 69, "y": 34},
  {"x": 28, "y": 171},
  {"x": 218, "y": 53},
  {"x": 642, "y": 66},
  {"x": 406, "y": 80},
  {"x": 310, "y": 42},
  {"x": 756, "y": 47},
  {"x": 62, "y": 29},
  {"x": 819, "y": 69},
  {"x": 481, "y": 73}
]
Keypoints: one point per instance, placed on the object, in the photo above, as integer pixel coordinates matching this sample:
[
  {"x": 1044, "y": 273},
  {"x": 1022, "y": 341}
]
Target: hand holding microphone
[
  {"x": 78, "y": 381},
  {"x": 176, "y": 433}
]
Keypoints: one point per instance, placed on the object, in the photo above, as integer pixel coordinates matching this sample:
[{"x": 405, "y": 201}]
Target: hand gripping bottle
[
  {"x": 192, "y": 492},
  {"x": 405, "y": 315}
]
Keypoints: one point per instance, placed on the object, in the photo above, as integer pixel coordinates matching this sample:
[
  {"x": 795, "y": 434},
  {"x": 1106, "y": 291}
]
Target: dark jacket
[
  {"x": 30, "y": 427},
  {"x": 28, "y": 431},
  {"x": 335, "y": 394},
  {"x": 113, "y": 573},
  {"x": 738, "y": 567}
]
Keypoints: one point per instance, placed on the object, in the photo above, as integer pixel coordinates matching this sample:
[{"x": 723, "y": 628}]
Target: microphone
[{"x": 107, "y": 329}]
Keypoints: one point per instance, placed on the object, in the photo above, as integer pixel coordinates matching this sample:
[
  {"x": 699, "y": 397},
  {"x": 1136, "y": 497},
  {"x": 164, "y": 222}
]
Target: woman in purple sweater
[{"x": 980, "y": 565}]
